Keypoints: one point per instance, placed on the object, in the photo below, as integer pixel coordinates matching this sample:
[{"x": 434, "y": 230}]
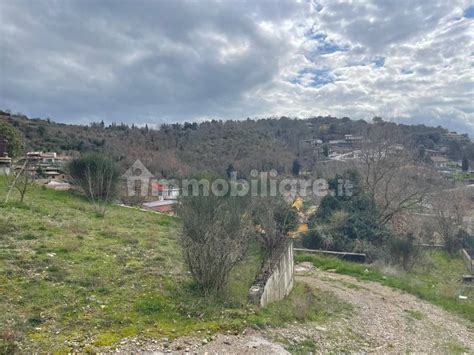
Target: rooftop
[{"x": 159, "y": 203}]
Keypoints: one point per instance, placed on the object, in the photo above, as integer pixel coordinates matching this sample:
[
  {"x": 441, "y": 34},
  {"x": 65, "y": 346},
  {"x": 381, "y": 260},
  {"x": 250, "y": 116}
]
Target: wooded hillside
[{"x": 181, "y": 149}]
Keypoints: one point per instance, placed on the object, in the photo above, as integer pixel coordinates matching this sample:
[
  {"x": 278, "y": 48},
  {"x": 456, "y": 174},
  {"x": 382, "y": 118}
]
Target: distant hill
[{"x": 181, "y": 149}]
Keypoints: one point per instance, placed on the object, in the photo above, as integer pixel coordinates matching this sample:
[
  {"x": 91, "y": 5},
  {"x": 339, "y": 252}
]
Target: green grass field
[
  {"x": 72, "y": 280},
  {"x": 436, "y": 278}
]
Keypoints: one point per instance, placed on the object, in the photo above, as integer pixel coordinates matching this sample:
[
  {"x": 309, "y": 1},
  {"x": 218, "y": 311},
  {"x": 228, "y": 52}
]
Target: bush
[
  {"x": 314, "y": 239},
  {"x": 14, "y": 138},
  {"x": 455, "y": 244},
  {"x": 214, "y": 237},
  {"x": 403, "y": 251},
  {"x": 274, "y": 218},
  {"x": 97, "y": 176}
]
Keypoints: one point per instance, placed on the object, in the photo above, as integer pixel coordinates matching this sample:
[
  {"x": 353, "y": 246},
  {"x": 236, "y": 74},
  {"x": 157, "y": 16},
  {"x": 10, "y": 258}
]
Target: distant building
[
  {"x": 307, "y": 144},
  {"x": 3, "y": 146},
  {"x": 164, "y": 192},
  {"x": 352, "y": 155},
  {"x": 34, "y": 157},
  {"x": 440, "y": 162},
  {"x": 350, "y": 138},
  {"x": 49, "y": 158},
  {"x": 310, "y": 143},
  {"x": 45, "y": 158},
  {"x": 54, "y": 173},
  {"x": 455, "y": 136},
  {"x": 312, "y": 146},
  {"x": 5, "y": 161},
  {"x": 5, "y": 164},
  {"x": 164, "y": 206},
  {"x": 44, "y": 165},
  {"x": 434, "y": 153}
]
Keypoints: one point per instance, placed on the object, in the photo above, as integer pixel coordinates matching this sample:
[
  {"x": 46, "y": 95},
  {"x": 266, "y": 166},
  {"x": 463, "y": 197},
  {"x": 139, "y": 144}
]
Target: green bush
[
  {"x": 214, "y": 237},
  {"x": 403, "y": 251},
  {"x": 275, "y": 218},
  {"x": 14, "y": 138},
  {"x": 96, "y": 175}
]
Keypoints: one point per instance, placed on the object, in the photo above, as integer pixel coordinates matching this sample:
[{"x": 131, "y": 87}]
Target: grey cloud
[
  {"x": 109, "y": 58},
  {"x": 151, "y": 61}
]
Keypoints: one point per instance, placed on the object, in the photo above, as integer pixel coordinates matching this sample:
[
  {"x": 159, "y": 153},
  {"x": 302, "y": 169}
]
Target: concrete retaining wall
[
  {"x": 468, "y": 261},
  {"x": 277, "y": 282}
]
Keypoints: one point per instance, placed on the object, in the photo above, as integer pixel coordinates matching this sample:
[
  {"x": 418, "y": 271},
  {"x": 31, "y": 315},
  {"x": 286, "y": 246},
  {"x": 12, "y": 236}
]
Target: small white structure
[
  {"x": 350, "y": 138},
  {"x": 5, "y": 165},
  {"x": 171, "y": 193}
]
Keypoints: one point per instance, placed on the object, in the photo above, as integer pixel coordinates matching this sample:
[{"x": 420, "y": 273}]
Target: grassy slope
[
  {"x": 437, "y": 278},
  {"x": 66, "y": 271},
  {"x": 69, "y": 279}
]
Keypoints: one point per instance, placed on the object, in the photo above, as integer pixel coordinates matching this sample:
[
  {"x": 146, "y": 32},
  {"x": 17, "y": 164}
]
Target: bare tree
[
  {"x": 22, "y": 180},
  {"x": 393, "y": 182},
  {"x": 103, "y": 177},
  {"x": 450, "y": 207}
]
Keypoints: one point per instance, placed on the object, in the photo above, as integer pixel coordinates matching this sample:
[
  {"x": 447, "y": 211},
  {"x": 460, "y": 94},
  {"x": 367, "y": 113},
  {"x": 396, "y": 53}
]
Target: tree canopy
[{"x": 14, "y": 138}]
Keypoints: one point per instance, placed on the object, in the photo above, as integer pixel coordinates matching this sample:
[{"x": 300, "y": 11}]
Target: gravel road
[{"x": 383, "y": 320}]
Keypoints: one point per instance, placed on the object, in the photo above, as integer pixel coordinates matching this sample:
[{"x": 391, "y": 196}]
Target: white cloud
[{"x": 141, "y": 61}]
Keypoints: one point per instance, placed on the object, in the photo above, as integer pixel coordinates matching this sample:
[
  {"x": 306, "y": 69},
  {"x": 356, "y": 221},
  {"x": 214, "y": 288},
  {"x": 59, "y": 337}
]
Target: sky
[{"x": 143, "y": 61}]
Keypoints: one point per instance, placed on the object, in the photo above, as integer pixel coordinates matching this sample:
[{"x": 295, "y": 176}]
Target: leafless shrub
[
  {"x": 214, "y": 237},
  {"x": 97, "y": 177},
  {"x": 22, "y": 180},
  {"x": 449, "y": 208}
]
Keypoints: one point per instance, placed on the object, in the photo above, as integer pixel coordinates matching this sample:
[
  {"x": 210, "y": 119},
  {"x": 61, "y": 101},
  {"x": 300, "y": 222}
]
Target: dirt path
[{"x": 382, "y": 320}]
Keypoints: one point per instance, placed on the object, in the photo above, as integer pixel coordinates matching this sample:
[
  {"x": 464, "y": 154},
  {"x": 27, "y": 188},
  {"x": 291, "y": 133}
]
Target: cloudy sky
[{"x": 167, "y": 60}]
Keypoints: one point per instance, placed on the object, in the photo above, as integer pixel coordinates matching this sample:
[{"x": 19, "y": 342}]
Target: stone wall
[{"x": 276, "y": 281}]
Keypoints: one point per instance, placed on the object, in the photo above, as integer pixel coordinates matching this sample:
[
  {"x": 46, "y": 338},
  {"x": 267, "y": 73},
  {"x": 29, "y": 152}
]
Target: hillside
[
  {"x": 61, "y": 268},
  {"x": 182, "y": 149},
  {"x": 73, "y": 281}
]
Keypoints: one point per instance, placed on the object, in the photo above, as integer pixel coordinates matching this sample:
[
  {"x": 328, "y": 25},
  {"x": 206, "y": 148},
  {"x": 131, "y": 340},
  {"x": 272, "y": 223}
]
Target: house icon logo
[{"x": 138, "y": 179}]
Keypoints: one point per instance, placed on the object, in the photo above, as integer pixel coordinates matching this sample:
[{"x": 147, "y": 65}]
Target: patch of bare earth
[
  {"x": 249, "y": 342},
  {"x": 382, "y": 320}
]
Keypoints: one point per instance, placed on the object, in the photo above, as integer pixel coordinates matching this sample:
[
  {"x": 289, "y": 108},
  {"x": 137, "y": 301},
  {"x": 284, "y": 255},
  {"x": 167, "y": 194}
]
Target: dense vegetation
[
  {"x": 347, "y": 223},
  {"x": 176, "y": 150},
  {"x": 13, "y": 137}
]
